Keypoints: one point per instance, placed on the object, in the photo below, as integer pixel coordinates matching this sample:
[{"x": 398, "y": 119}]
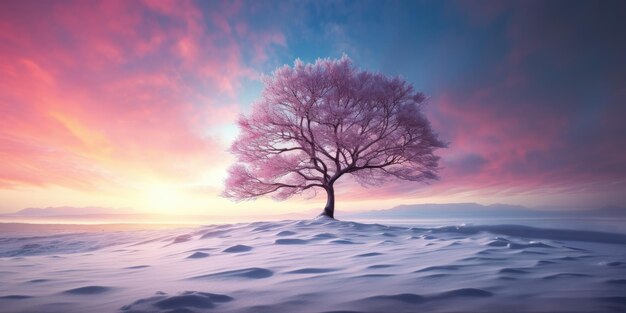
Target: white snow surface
[{"x": 318, "y": 265}]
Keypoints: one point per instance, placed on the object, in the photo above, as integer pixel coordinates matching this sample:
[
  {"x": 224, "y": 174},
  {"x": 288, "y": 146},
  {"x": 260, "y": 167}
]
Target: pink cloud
[
  {"x": 503, "y": 146},
  {"x": 94, "y": 92}
]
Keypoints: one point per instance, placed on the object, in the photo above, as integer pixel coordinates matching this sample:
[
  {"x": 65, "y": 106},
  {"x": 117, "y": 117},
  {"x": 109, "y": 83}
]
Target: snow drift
[{"x": 315, "y": 266}]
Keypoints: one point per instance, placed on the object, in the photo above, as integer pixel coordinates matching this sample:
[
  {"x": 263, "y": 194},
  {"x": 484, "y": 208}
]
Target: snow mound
[{"x": 319, "y": 265}]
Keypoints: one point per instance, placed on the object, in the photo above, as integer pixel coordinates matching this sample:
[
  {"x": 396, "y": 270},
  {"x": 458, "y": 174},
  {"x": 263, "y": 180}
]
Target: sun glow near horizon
[{"x": 133, "y": 104}]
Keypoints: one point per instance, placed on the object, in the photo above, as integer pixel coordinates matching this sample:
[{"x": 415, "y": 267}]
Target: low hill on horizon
[
  {"x": 405, "y": 211},
  {"x": 475, "y": 210},
  {"x": 69, "y": 210}
]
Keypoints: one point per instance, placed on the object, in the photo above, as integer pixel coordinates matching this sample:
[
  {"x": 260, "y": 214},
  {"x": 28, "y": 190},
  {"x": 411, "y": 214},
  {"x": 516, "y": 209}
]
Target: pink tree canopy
[{"x": 315, "y": 123}]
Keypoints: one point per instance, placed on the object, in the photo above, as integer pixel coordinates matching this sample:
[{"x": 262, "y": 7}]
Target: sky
[{"x": 132, "y": 104}]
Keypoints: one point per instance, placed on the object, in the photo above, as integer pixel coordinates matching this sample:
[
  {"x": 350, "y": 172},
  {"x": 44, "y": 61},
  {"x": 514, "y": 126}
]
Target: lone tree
[{"x": 318, "y": 122}]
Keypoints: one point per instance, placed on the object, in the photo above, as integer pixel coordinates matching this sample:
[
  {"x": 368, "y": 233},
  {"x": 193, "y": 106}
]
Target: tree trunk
[{"x": 329, "y": 209}]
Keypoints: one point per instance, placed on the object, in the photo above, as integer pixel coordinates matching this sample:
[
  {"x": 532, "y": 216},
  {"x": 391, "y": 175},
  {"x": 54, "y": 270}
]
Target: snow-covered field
[{"x": 313, "y": 266}]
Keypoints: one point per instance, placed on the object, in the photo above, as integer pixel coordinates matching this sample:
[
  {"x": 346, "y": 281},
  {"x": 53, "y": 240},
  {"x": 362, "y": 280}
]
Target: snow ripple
[{"x": 315, "y": 266}]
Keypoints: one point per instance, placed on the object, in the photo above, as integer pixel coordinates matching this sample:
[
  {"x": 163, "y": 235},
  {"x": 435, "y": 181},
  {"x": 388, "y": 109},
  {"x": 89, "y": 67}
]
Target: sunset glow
[{"x": 132, "y": 104}]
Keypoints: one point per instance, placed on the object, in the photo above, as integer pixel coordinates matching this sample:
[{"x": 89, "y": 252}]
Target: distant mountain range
[
  {"x": 474, "y": 210},
  {"x": 70, "y": 211},
  {"x": 413, "y": 211},
  {"x": 67, "y": 214}
]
